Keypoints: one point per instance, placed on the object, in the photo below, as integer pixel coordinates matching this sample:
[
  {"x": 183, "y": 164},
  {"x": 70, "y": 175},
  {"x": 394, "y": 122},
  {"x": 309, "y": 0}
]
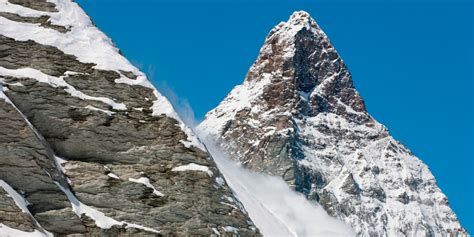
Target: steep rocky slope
[
  {"x": 297, "y": 115},
  {"x": 88, "y": 146}
]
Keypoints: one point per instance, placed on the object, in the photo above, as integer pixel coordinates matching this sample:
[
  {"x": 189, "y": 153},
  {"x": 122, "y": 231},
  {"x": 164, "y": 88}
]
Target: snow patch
[
  {"x": 193, "y": 167},
  {"x": 58, "y": 82},
  {"x": 112, "y": 175},
  {"x": 220, "y": 181},
  {"x": 89, "y": 45},
  {"x": 108, "y": 112},
  {"x": 216, "y": 232},
  {"x": 84, "y": 40},
  {"x": 230, "y": 229},
  {"x": 6, "y": 231},
  {"x": 145, "y": 181},
  {"x": 23, "y": 205},
  {"x": 101, "y": 220}
]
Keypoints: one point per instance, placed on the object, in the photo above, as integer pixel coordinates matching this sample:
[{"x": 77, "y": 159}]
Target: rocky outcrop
[
  {"x": 297, "y": 115},
  {"x": 89, "y": 143},
  {"x": 25, "y": 164}
]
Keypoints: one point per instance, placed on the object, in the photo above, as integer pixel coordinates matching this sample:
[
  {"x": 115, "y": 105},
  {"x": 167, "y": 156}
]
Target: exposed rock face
[
  {"x": 298, "y": 115},
  {"x": 89, "y": 143}
]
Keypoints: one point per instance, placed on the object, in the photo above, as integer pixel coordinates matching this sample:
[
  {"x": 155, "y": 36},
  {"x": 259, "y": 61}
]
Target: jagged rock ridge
[
  {"x": 88, "y": 146},
  {"x": 297, "y": 115}
]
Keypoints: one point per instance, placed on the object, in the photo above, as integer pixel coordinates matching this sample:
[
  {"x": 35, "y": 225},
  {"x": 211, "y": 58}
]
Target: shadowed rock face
[
  {"x": 297, "y": 115},
  {"x": 107, "y": 154}
]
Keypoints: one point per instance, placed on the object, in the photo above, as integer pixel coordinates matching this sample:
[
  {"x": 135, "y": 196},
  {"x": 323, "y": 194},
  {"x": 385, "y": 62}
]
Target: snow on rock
[
  {"x": 145, "y": 181},
  {"x": 298, "y": 115},
  {"x": 163, "y": 106},
  {"x": 101, "y": 220},
  {"x": 89, "y": 45},
  {"x": 58, "y": 82},
  {"x": 112, "y": 175},
  {"x": 23, "y": 205},
  {"x": 108, "y": 112},
  {"x": 238, "y": 99},
  {"x": 102, "y": 72},
  {"x": 230, "y": 229},
  {"x": 19, "y": 200},
  {"x": 83, "y": 40},
  {"x": 6, "y": 231},
  {"x": 193, "y": 167},
  {"x": 2, "y": 95},
  {"x": 220, "y": 181},
  {"x": 216, "y": 232}
]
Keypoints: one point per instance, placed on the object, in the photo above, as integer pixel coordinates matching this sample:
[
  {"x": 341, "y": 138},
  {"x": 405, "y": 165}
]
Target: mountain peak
[
  {"x": 300, "y": 15},
  {"x": 302, "y": 71},
  {"x": 298, "y": 21},
  {"x": 302, "y": 19},
  {"x": 297, "y": 115}
]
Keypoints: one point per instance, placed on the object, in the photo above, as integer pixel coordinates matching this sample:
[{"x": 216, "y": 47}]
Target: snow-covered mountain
[
  {"x": 297, "y": 115},
  {"x": 88, "y": 146}
]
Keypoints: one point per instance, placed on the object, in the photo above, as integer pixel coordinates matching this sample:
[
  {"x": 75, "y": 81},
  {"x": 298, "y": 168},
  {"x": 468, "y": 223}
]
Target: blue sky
[{"x": 412, "y": 61}]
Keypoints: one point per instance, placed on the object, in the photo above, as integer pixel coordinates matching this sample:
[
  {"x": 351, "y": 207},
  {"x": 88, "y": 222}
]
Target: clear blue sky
[{"x": 412, "y": 61}]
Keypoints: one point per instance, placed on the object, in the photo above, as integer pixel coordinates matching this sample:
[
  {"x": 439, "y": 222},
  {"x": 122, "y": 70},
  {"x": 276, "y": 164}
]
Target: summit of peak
[
  {"x": 299, "y": 70},
  {"x": 298, "y": 20},
  {"x": 300, "y": 16}
]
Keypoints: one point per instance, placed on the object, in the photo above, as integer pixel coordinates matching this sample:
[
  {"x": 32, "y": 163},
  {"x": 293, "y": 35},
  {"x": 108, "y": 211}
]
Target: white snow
[
  {"x": 193, "y": 167},
  {"x": 108, "y": 112},
  {"x": 2, "y": 95},
  {"x": 162, "y": 106},
  {"x": 216, "y": 232},
  {"x": 57, "y": 82},
  {"x": 239, "y": 98},
  {"x": 230, "y": 229},
  {"x": 59, "y": 163},
  {"x": 220, "y": 181},
  {"x": 112, "y": 175},
  {"x": 101, "y": 220},
  {"x": 19, "y": 200},
  {"x": 84, "y": 40},
  {"x": 89, "y": 45},
  {"x": 23, "y": 205},
  {"x": 6, "y": 231},
  {"x": 145, "y": 181},
  {"x": 79, "y": 208},
  {"x": 274, "y": 208}
]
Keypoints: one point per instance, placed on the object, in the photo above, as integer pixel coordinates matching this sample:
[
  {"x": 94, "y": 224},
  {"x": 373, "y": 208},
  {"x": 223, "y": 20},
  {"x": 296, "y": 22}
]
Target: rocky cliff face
[
  {"x": 88, "y": 146},
  {"x": 297, "y": 115}
]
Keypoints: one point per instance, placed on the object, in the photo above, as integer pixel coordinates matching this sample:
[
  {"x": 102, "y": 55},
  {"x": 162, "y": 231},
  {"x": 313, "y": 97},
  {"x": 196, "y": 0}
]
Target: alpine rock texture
[
  {"x": 297, "y": 115},
  {"x": 88, "y": 147}
]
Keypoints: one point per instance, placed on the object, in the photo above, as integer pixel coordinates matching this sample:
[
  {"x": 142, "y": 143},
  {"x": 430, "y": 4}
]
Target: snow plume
[
  {"x": 274, "y": 208},
  {"x": 181, "y": 105}
]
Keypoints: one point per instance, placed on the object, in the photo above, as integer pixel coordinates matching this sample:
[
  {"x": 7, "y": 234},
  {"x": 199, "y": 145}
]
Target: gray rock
[
  {"x": 12, "y": 216},
  {"x": 40, "y": 5},
  {"x": 107, "y": 153},
  {"x": 25, "y": 165},
  {"x": 44, "y": 21}
]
